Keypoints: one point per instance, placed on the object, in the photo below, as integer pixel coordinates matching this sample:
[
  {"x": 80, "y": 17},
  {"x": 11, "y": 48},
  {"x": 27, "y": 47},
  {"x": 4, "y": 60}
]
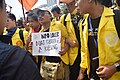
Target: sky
[{"x": 17, "y": 8}]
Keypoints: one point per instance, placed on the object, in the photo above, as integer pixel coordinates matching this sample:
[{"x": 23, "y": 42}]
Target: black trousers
[
  {"x": 75, "y": 68},
  {"x": 39, "y": 62}
]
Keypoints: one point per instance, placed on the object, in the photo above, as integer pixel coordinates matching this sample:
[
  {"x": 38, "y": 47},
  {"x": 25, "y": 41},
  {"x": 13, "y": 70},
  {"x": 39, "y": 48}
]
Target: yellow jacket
[
  {"x": 29, "y": 32},
  {"x": 5, "y": 31},
  {"x": 57, "y": 26},
  {"x": 108, "y": 42},
  {"x": 72, "y": 52},
  {"x": 16, "y": 38}
]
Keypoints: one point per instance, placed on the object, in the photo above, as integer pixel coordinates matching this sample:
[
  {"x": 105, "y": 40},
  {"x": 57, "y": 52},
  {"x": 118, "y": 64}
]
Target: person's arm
[
  {"x": 28, "y": 40},
  {"x": 83, "y": 64},
  {"x": 25, "y": 35},
  {"x": 64, "y": 36},
  {"x": 72, "y": 43},
  {"x": 65, "y": 49},
  {"x": 107, "y": 71},
  {"x": 81, "y": 74}
]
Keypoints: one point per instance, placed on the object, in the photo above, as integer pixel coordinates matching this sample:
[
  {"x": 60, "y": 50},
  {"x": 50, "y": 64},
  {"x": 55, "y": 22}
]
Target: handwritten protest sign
[{"x": 46, "y": 43}]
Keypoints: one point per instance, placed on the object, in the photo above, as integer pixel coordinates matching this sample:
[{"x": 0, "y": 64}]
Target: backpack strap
[
  {"x": 21, "y": 37},
  {"x": 64, "y": 20},
  {"x": 117, "y": 21}
]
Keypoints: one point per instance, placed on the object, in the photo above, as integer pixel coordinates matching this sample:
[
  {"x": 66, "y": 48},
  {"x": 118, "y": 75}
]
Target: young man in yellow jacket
[
  {"x": 100, "y": 50},
  {"x": 51, "y": 26},
  {"x": 14, "y": 32},
  {"x": 71, "y": 22}
]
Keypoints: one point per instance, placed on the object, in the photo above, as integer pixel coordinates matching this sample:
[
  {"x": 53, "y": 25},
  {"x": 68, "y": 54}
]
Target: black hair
[
  {"x": 49, "y": 12},
  {"x": 1, "y": 3},
  {"x": 118, "y": 2},
  {"x": 11, "y": 16},
  {"x": 107, "y": 3},
  {"x": 37, "y": 10},
  {"x": 34, "y": 17},
  {"x": 56, "y": 8},
  {"x": 20, "y": 22},
  {"x": 29, "y": 14}
]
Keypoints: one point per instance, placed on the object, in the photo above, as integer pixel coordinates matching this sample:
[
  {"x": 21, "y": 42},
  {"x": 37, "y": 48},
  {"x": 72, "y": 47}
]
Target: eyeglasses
[{"x": 42, "y": 15}]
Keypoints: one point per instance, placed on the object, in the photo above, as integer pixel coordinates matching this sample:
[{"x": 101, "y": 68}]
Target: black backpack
[
  {"x": 117, "y": 21},
  {"x": 22, "y": 37},
  {"x": 64, "y": 19}
]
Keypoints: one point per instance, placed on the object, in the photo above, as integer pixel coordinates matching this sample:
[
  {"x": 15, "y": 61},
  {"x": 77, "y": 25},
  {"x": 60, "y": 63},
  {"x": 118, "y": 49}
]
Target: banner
[
  {"x": 46, "y": 43},
  {"x": 28, "y": 4},
  {"x": 66, "y": 1}
]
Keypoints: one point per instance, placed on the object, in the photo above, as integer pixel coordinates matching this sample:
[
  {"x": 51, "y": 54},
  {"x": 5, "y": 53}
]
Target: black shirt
[{"x": 93, "y": 47}]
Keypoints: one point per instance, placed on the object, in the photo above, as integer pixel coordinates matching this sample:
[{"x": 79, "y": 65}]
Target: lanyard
[{"x": 91, "y": 28}]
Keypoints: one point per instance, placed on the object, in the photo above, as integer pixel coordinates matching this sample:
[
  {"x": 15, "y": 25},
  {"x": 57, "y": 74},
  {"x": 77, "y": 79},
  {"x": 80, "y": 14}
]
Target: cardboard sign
[{"x": 46, "y": 43}]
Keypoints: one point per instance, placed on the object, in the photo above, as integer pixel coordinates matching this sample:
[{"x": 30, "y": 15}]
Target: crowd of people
[{"x": 90, "y": 42}]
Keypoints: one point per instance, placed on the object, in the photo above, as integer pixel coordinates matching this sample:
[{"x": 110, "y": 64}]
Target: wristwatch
[{"x": 117, "y": 66}]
